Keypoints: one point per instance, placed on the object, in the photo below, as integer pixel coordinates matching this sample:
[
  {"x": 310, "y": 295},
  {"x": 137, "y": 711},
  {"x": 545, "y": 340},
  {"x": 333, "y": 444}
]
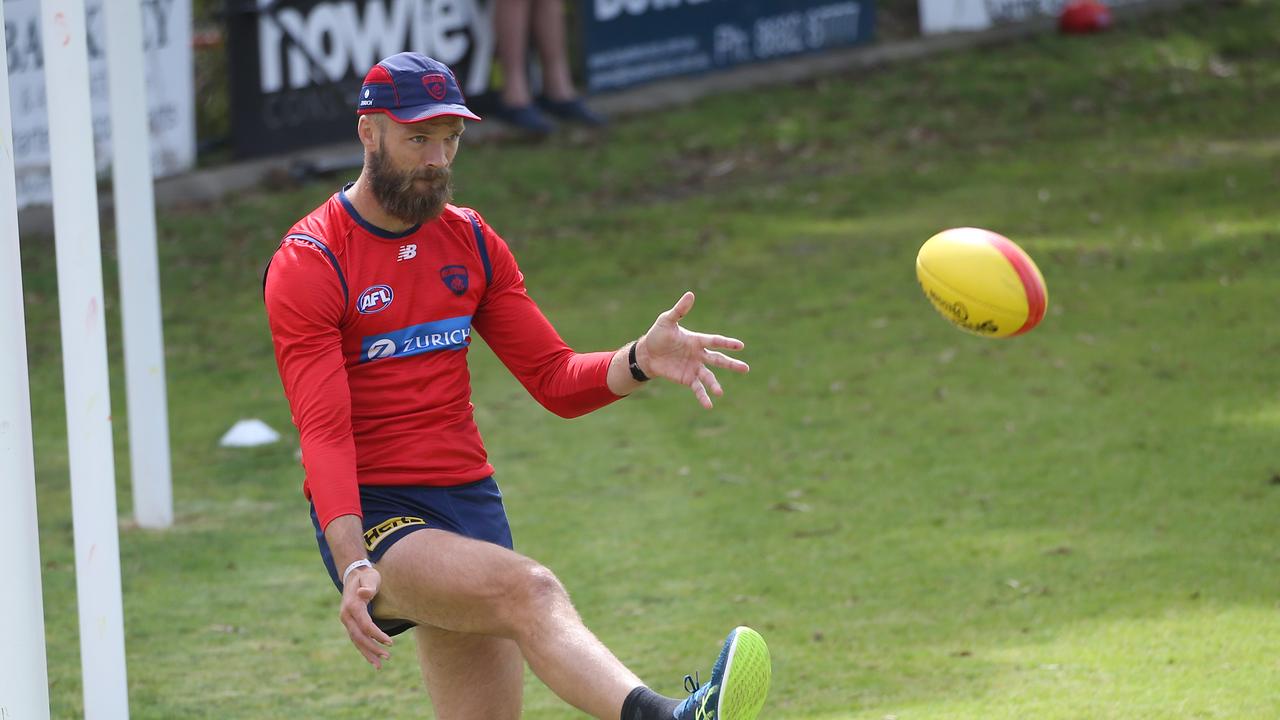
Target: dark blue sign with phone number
[{"x": 627, "y": 42}]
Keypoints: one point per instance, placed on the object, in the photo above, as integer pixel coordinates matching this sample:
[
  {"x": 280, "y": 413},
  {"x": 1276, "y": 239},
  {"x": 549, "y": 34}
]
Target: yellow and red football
[{"x": 982, "y": 282}]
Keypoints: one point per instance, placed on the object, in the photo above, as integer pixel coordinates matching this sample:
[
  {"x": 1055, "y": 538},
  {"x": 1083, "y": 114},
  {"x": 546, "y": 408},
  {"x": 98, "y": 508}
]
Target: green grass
[{"x": 1077, "y": 523}]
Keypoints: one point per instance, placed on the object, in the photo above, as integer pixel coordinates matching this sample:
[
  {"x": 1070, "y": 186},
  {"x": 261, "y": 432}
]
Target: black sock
[{"x": 645, "y": 704}]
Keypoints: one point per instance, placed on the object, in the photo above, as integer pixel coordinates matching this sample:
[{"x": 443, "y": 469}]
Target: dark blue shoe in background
[
  {"x": 574, "y": 110},
  {"x": 524, "y": 117}
]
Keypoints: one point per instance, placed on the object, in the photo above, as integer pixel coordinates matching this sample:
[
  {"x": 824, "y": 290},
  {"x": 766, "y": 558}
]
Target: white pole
[
  {"x": 24, "y": 681},
  {"x": 139, "y": 271},
  {"x": 84, "y": 360}
]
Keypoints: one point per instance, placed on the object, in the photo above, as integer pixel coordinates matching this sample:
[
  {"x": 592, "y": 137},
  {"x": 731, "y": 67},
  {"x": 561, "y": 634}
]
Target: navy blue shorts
[{"x": 391, "y": 512}]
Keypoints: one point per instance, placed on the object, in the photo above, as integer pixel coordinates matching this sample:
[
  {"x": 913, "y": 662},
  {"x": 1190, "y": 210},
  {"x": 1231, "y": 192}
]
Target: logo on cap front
[{"x": 435, "y": 85}]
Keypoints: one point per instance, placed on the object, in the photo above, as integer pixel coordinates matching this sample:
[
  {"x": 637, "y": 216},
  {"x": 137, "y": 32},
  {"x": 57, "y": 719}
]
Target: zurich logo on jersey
[
  {"x": 374, "y": 299},
  {"x": 381, "y": 349},
  {"x": 448, "y": 334}
]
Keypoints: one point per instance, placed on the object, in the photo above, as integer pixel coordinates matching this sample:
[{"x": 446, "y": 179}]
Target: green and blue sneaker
[{"x": 738, "y": 685}]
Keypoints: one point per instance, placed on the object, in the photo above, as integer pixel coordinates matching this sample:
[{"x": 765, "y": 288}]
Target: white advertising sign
[
  {"x": 297, "y": 65},
  {"x": 170, "y": 101},
  {"x": 939, "y": 16}
]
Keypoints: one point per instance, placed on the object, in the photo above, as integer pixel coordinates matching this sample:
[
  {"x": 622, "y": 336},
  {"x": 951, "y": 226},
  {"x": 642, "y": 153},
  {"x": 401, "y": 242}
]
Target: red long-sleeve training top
[{"x": 371, "y": 331}]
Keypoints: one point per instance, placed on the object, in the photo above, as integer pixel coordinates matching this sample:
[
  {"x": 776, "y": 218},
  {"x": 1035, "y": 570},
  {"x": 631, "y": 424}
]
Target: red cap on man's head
[{"x": 411, "y": 87}]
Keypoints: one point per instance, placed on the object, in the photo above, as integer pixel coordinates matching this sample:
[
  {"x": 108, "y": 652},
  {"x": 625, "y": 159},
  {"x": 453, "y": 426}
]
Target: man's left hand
[{"x": 685, "y": 357}]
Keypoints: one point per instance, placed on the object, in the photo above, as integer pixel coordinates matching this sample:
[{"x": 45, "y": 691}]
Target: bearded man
[{"x": 371, "y": 300}]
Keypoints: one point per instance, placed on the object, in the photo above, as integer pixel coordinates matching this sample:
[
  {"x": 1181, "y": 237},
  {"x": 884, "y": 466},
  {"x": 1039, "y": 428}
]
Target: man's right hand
[
  {"x": 345, "y": 538},
  {"x": 368, "y": 638}
]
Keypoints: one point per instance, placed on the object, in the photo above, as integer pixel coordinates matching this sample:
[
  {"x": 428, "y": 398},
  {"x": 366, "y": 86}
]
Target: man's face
[{"x": 408, "y": 170}]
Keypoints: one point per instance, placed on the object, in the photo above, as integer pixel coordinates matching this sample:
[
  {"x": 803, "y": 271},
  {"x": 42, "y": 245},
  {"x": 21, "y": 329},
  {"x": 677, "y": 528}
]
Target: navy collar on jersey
[{"x": 342, "y": 195}]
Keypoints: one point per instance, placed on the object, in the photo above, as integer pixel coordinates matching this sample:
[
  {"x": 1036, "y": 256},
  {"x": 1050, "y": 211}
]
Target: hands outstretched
[{"x": 670, "y": 351}]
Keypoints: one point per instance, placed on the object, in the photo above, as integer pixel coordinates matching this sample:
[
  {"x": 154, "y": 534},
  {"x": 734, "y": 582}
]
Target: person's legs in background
[
  {"x": 547, "y": 19},
  {"x": 511, "y": 27},
  {"x": 558, "y": 94},
  {"x": 513, "y": 22}
]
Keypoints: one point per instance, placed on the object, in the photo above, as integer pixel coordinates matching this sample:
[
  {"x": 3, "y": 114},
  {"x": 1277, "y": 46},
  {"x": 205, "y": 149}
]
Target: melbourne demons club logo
[
  {"x": 375, "y": 299},
  {"x": 454, "y": 278},
  {"x": 435, "y": 85}
]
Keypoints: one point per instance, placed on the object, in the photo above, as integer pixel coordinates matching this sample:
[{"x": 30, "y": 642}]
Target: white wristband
[{"x": 362, "y": 562}]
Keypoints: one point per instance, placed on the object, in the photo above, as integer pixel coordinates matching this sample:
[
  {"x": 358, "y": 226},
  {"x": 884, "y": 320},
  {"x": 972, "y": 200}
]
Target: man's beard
[{"x": 399, "y": 194}]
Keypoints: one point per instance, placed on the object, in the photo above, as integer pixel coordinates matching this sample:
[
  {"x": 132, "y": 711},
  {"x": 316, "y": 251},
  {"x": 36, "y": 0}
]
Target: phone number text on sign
[
  {"x": 798, "y": 32},
  {"x": 676, "y": 38}
]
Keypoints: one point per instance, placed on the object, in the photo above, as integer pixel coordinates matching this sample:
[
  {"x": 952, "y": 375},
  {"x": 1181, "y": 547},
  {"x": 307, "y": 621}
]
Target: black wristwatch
[{"x": 636, "y": 372}]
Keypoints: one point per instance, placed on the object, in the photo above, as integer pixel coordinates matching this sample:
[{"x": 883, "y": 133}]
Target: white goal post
[
  {"x": 77, "y": 245},
  {"x": 135, "y": 211},
  {"x": 24, "y": 679}
]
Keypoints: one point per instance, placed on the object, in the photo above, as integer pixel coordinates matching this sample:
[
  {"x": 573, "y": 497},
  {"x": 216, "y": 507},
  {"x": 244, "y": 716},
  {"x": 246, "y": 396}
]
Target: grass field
[{"x": 1077, "y": 523}]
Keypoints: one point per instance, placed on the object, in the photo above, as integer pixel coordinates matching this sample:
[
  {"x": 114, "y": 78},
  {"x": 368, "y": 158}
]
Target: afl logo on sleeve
[{"x": 374, "y": 299}]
